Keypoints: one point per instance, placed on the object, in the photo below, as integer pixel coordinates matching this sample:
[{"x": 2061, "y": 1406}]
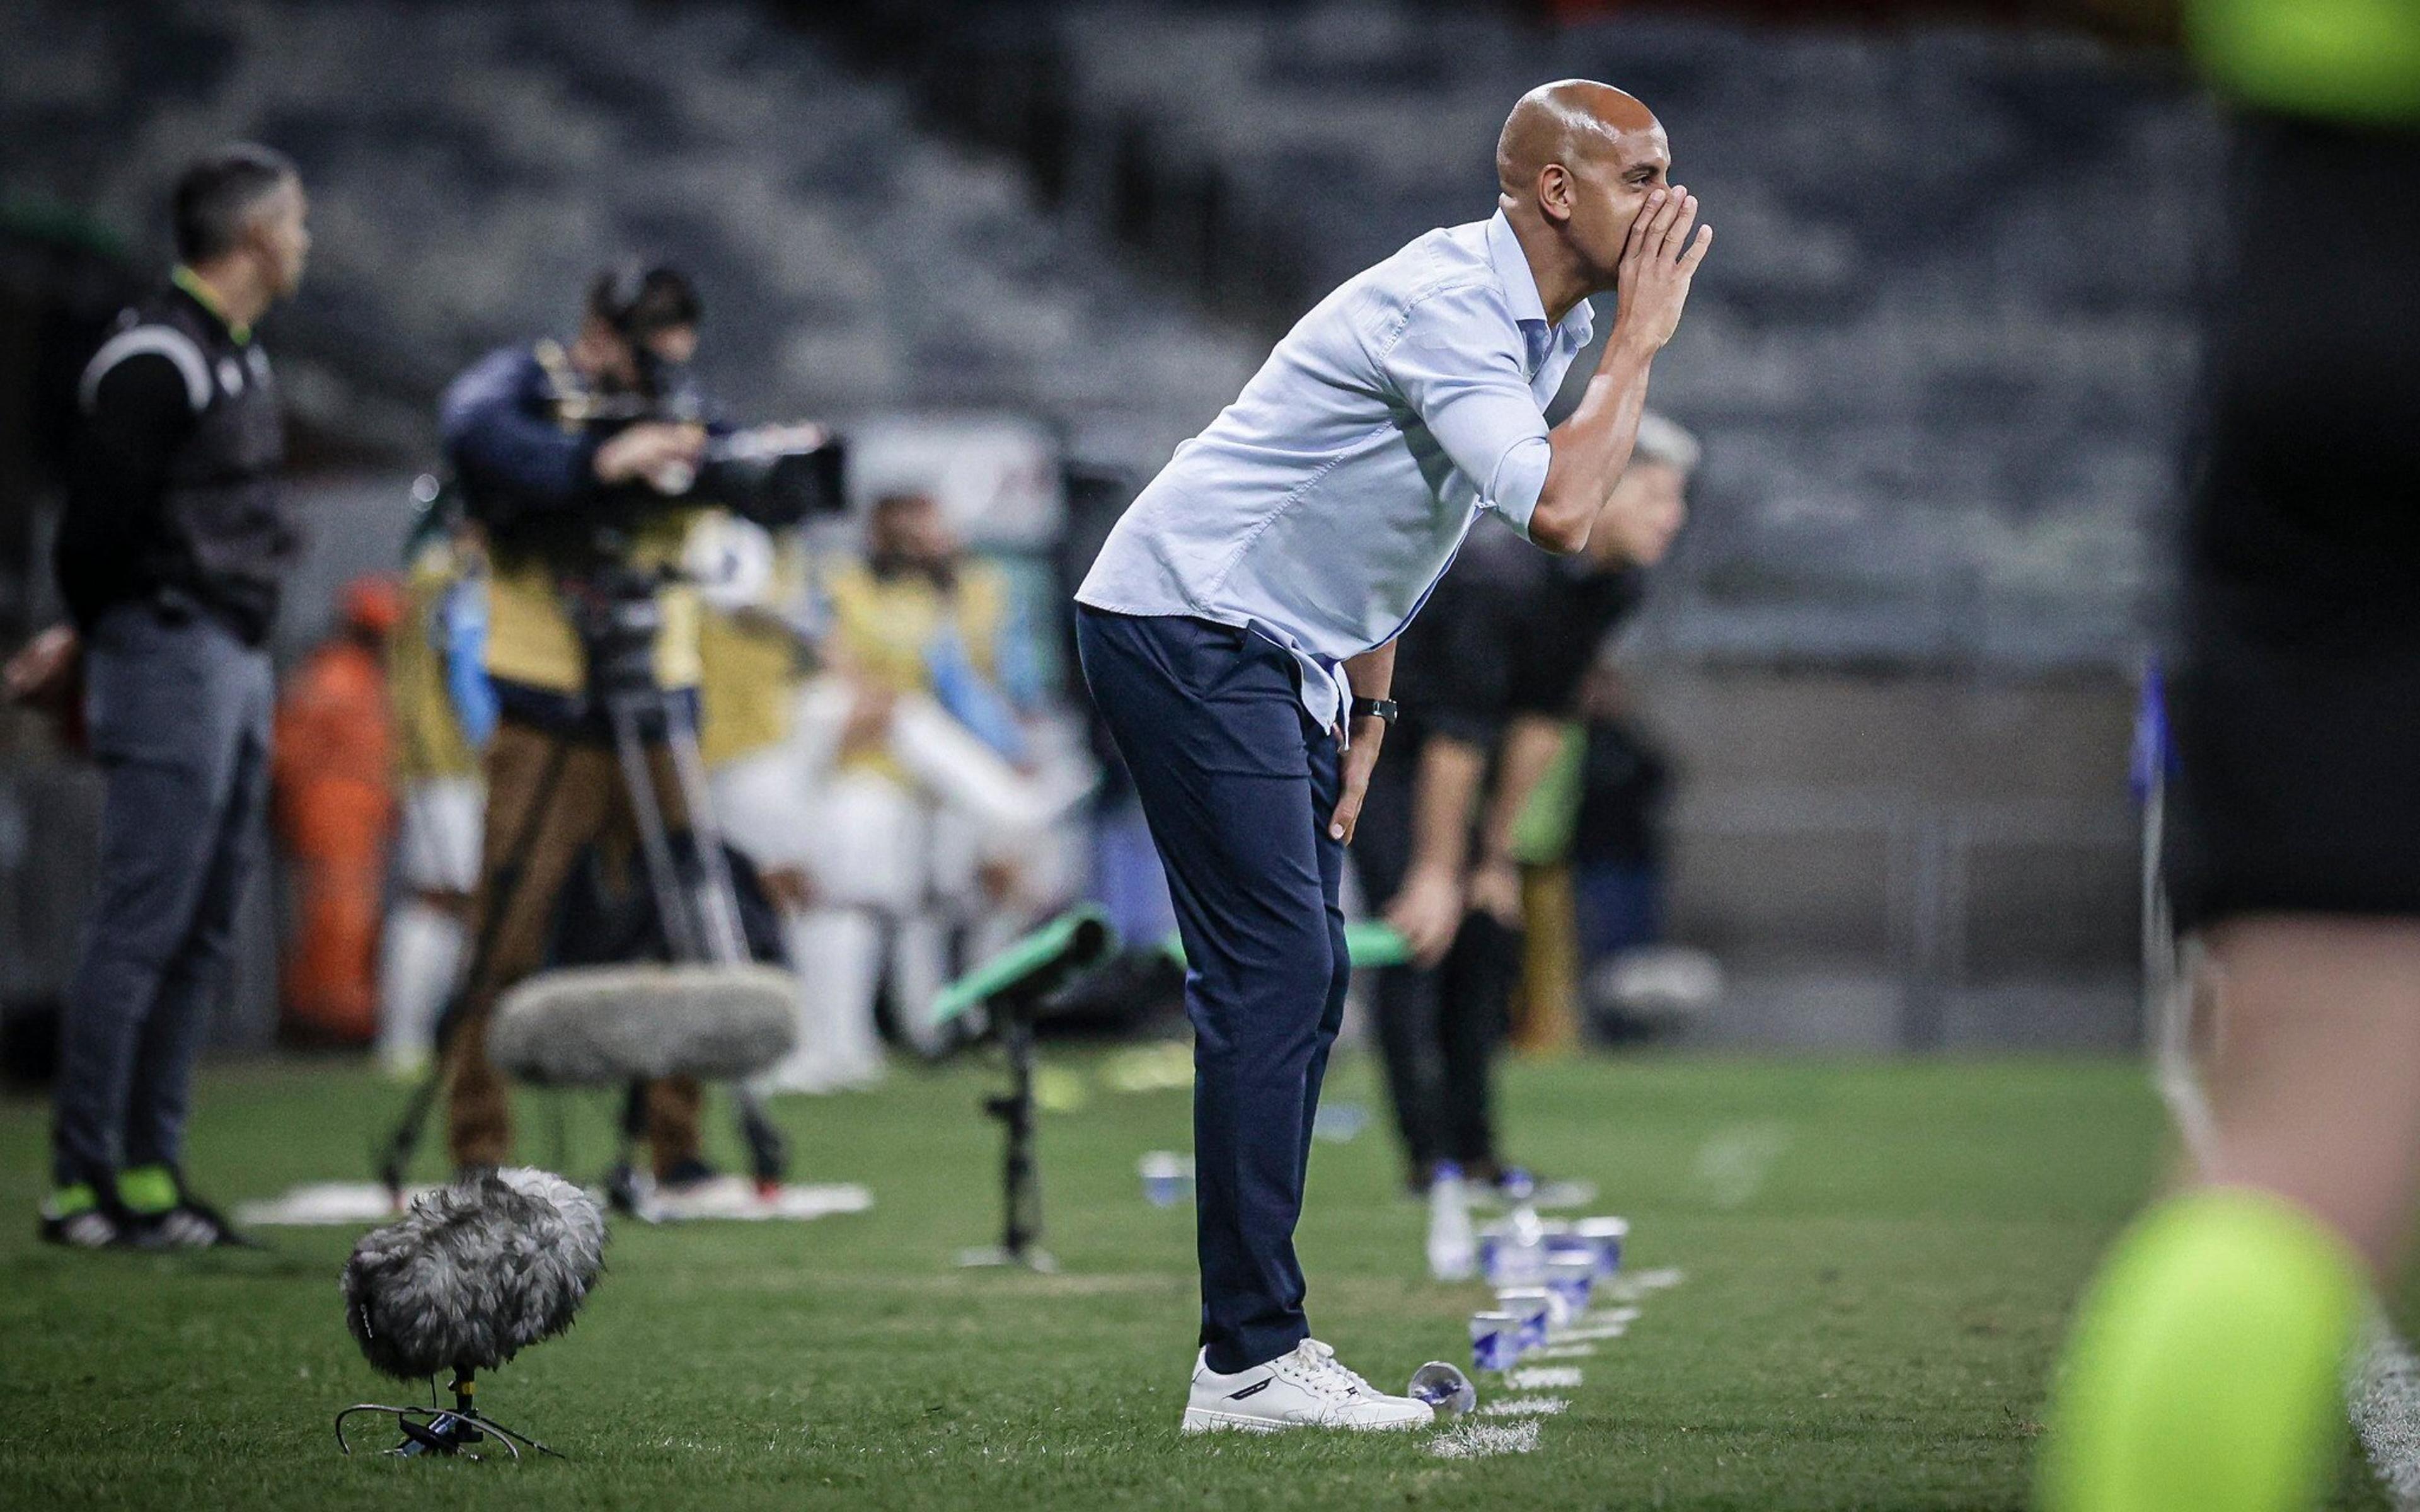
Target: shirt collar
[
  {"x": 1521, "y": 286},
  {"x": 203, "y": 295}
]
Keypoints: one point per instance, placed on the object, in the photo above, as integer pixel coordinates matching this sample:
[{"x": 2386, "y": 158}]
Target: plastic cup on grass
[
  {"x": 1447, "y": 1390},
  {"x": 1532, "y": 1306},
  {"x": 1569, "y": 1279},
  {"x": 1167, "y": 1177},
  {"x": 1494, "y": 1341},
  {"x": 1608, "y": 1235}
]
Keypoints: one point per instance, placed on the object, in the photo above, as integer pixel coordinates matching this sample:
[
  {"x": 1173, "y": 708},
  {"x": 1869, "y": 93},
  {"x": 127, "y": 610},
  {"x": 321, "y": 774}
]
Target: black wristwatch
[{"x": 1382, "y": 708}]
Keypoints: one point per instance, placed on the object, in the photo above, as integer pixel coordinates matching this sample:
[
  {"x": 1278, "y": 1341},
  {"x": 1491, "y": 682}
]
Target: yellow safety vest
[
  {"x": 429, "y": 743},
  {"x": 750, "y": 668},
  {"x": 882, "y": 626},
  {"x": 530, "y": 636}
]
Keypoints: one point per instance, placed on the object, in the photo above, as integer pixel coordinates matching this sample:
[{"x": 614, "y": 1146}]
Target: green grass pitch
[{"x": 1878, "y": 1261}]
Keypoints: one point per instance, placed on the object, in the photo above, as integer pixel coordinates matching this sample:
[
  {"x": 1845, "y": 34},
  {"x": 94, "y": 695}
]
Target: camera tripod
[{"x": 616, "y": 615}]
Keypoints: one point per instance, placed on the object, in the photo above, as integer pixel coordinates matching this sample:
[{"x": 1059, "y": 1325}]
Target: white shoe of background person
[{"x": 1308, "y": 1388}]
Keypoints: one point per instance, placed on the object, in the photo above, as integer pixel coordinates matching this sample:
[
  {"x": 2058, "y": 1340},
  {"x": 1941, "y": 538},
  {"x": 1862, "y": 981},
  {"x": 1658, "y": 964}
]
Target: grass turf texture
[{"x": 1869, "y": 1325}]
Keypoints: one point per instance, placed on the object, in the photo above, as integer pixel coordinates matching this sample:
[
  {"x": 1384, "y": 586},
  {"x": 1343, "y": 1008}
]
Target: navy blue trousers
[{"x": 1238, "y": 784}]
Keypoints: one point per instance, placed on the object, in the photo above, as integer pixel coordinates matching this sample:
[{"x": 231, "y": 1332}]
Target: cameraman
[{"x": 574, "y": 460}]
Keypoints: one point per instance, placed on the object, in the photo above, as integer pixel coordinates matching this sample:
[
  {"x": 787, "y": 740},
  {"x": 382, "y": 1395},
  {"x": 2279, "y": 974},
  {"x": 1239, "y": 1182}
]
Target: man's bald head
[
  {"x": 1563, "y": 121},
  {"x": 1575, "y": 164}
]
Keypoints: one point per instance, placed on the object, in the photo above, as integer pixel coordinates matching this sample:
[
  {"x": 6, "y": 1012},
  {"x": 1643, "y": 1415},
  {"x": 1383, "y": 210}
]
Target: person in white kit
[
  {"x": 443, "y": 713},
  {"x": 865, "y": 808},
  {"x": 1237, "y": 632}
]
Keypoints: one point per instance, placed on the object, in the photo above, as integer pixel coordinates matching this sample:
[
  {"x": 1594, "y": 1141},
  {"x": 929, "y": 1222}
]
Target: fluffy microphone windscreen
[
  {"x": 474, "y": 1273},
  {"x": 604, "y": 1025}
]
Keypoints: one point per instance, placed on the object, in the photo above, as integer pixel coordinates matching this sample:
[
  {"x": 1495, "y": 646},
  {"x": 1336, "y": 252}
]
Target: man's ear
[
  {"x": 257, "y": 240},
  {"x": 1555, "y": 192}
]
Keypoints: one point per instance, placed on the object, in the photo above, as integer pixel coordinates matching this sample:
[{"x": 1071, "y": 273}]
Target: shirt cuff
[{"x": 1520, "y": 478}]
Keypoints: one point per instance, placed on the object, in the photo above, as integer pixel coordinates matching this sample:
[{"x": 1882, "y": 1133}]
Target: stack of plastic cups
[
  {"x": 1533, "y": 1307},
  {"x": 1563, "y": 1240},
  {"x": 1569, "y": 1279},
  {"x": 1509, "y": 1258},
  {"x": 1494, "y": 1341},
  {"x": 1606, "y": 1235}
]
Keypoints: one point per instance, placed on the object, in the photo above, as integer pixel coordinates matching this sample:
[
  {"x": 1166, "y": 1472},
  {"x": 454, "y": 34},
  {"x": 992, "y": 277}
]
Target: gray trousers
[{"x": 178, "y": 709}]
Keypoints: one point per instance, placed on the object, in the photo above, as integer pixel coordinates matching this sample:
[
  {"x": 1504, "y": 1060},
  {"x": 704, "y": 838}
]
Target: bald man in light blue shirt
[
  {"x": 1331, "y": 495},
  {"x": 1237, "y": 632}
]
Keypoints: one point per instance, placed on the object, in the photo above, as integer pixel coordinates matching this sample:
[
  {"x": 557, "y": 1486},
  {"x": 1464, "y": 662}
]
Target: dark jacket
[
  {"x": 522, "y": 428},
  {"x": 173, "y": 487},
  {"x": 516, "y": 456},
  {"x": 1509, "y": 630}
]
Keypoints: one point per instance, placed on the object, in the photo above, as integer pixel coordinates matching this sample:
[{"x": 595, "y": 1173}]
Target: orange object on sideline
[{"x": 335, "y": 812}]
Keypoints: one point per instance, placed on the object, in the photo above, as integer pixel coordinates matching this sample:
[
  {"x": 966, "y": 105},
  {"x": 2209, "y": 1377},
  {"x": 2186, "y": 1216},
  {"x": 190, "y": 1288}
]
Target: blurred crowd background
[{"x": 1859, "y": 764}]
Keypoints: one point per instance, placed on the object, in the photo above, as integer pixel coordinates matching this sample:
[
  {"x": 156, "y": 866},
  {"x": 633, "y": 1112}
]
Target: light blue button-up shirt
[{"x": 1323, "y": 504}]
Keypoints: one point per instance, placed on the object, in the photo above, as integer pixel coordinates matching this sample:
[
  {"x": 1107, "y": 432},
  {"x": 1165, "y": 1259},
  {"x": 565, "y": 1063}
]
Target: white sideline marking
[
  {"x": 1733, "y": 1163},
  {"x": 1477, "y": 1441},
  {"x": 1525, "y": 1407},
  {"x": 330, "y": 1203},
  {"x": 2383, "y": 1397},
  {"x": 1631, "y": 1286},
  {"x": 737, "y": 1197}
]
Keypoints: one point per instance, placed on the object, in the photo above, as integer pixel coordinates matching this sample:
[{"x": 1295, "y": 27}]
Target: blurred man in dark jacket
[
  {"x": 1488, "y": 676},
  {"x": 171, "y": 554}
]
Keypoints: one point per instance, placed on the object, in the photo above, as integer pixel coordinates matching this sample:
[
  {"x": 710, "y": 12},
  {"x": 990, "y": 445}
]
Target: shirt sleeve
[
  {"x": 499, "y": 442},
  {"x": 1457, "y": 362},
  {"x": 140, "y": 410}
]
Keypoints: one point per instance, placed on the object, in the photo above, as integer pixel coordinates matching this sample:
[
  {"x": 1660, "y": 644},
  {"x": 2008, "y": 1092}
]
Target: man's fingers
[
  {"x": 1642, "y": 227},
  {"x": 1677, "y": 232},
  {"x": 1664, "y": 213},
  {"x": 1339, "y": 824},
  {"x": 1696, "y": 253}
]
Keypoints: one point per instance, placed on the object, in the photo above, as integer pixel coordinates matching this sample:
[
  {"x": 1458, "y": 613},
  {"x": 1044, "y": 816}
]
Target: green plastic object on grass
[
  {"x": 1075, "y": 940},
  {"x": 1370, "y": 944}
]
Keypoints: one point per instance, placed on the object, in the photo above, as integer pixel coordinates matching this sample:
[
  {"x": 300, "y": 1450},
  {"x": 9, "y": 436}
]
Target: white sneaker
[{"x": 1307, "y": 1388}]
